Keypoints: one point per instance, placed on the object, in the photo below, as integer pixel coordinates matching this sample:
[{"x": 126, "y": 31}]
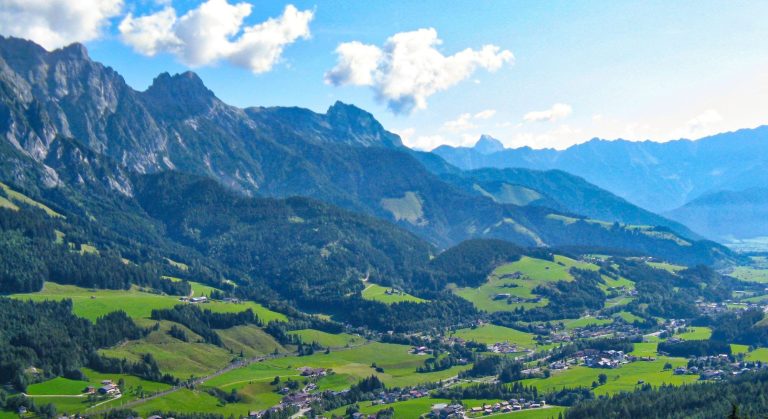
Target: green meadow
[
  {"x": 584, "y": 322},
  {"x": 251, "y": 340},
  {"x": 628, "y": 317},
  {"x": 138, "y": 304},
  {"x": 92, "y": 304},
  {"x": 696, "y": 333},
  {"x": 67, "y": 394},
  {"x": 350, "y": 365},
  {"x": 377, "y": 292},
  {"x": 534, "y": 272},
  {"x": 13, "y": 196},
  {"x": 328, "y": 340},
  {"x": 751, "y": 274},
  {"x": 669, "y": 267},
  {"x": 621, "y": 379},
  {"x": 490, "y": 333},
  {"x": 181, "y": 359}
]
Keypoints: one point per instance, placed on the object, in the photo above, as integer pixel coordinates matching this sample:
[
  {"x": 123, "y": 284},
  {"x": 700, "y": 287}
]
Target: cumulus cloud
[
  {"x": 214, "y": 31},
  {"x": 464, "y": 122},
  {"x": 557, "y": 111},
  {"x": 703, "y": 121},
  {"x": 486, "y": 114},
  {"x": 409, "y": 68},
  {"x": 55, "y": 23}
]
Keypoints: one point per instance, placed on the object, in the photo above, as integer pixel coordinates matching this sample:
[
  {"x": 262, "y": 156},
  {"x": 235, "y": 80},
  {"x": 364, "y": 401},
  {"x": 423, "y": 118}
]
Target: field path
[
  {"x": 199, "y": 381},
  {"x": 230, "y": 367}
]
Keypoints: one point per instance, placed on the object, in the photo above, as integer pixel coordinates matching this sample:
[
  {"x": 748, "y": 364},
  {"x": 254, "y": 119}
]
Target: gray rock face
[{"x": 65, "y": 119}]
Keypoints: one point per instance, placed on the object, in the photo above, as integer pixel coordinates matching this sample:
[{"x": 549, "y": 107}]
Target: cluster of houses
[
  {"x": 194, "y": 300},
  {"x": 387, "y": 397},
  {"x": 604, "y": 359},
  {"x": 594, "y": 358},
  {"x": 420, "y": 350},
  {"x": 312, "y": 372},
  {"x": 510, "y": 405},
  {"x": 506, "y": 348},
  {"x": 716, "y": 367},
  {"x": 108, "y": 388}
]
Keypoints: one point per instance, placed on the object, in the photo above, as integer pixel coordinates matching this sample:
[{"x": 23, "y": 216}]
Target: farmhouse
[{"x": 313, "y": 372}]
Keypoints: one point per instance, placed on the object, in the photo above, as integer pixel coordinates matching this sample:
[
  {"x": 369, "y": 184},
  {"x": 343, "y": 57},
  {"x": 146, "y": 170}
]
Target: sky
[{"x": 543, "y": 74}]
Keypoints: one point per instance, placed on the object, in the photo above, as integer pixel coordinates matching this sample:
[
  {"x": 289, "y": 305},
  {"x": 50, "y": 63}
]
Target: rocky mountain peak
[
  {"x": 181, "y": 94},
  {"x": 361, "y": 125},
  {"x": 488, "y": 145},
  {"x": 76, "y": 51}
]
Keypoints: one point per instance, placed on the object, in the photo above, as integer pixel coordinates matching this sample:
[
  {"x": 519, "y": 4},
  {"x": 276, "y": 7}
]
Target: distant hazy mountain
[
  {"x": 727, "y": 216},
  {"x": 68, "y": 121},
  {"x": 655, "y": 176}
]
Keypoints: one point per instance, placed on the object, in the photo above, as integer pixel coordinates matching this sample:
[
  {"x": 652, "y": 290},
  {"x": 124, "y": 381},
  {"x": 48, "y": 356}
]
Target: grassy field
[
  {"x": 751, "y": 274},
  {"x": 696, "y": 333},
  {"x": 181, "y": 359},
  {"x": 584, "y": 322},
  {"x": 551, "y": 412},
  {"x": 645, "y": 349},
  {"x": 350, "y": 365},
  {"x": 14, "y": 196},
  {"x": 620, "y": 379},
  {"x": 406, "y": 409},
  {"x": 251, "y": 340},
  {"x": 92, "y": 303},
  {"x": 376, "y": 292},
  {"x": 759, "y": 354},
  {"x": 328, "y": 339},
  {"x": 534, "y": 272},
  {"x": 416, "y": 407},
  {"x": 628, "y": 317},
  {"x": 669, "y": 267},
  {"x": 200, "y": 401},
  {"x": 491, "y": 333},
  {"x": 66, "y": 393}
]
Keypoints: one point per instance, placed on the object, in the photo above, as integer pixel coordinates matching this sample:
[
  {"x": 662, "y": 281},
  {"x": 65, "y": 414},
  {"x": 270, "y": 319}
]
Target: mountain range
[
  {"x": 656, "y": 176},
  {"x": 71, "y": 124},
  {"x": 729, "y": 216}
]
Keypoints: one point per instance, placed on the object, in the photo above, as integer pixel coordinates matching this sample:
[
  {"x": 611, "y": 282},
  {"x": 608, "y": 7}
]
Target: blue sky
[{"x": 582, "y": 69}]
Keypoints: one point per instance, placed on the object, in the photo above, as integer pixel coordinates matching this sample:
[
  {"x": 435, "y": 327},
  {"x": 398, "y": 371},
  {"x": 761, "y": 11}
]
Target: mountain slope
[
  {"x": 655, "y": 176},
  {"x": 69, "y": 120},
  {"x": 727, "y": 215},
  {"x": 562, "y": 191}
]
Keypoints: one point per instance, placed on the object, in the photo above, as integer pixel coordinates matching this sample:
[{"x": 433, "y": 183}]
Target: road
[{"x": 197, "y": 382}]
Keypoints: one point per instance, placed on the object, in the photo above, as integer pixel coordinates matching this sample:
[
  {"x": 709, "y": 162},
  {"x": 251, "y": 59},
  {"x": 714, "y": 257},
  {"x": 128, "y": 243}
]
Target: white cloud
[
  {"x": 425, "y": 142},
  {"x": 55, "y": 23},
  {"x": 462, "y": 123},
  {"x": 703, "y": 122},
  {"x": 214, "y": 31},
  {"x": 405, "y": 134},
  {"x": 557, "y": 111},
  {"x": 409, "y": 68},
  {"x": 486, "y": 114}
]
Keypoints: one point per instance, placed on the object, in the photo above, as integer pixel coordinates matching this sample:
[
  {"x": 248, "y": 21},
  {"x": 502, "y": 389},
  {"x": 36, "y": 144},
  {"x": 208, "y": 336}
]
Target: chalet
[
  {"x": 313, "y": 372},
  {"x": 109, "y": 389},
  {"x": 502, "y": 296},
  {"x": 711, "y": 375},
  {"x": 201, "y": 299},
  {"x": 90, "y": 390}
]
